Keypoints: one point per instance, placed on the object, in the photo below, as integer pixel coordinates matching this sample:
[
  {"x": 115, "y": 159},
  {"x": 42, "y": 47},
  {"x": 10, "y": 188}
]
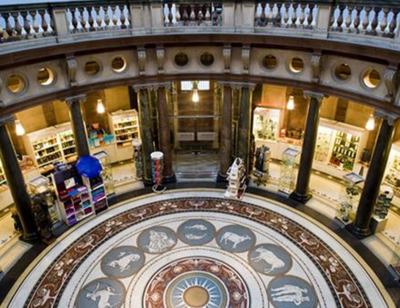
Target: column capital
[
  {"x": 236, "y": 85},
  {"x": 72, "y": 99},
  {"x": 7, "y": 119},
  {"x": 152, "y": 86},
  {"x": 316, "y": 95},
  {"x": 384, "y": 115}
]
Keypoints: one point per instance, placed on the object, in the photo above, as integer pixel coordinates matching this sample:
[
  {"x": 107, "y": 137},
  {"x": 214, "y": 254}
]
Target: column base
[
  {"x": 169, "y": 179},
  {"x": 300, "y": 198},
  {"x": 360, "y": 233},
  {"x": 30, "y": 237},
  {"x": 222, "y": 178},
  {"x": 148, "y": 183}
]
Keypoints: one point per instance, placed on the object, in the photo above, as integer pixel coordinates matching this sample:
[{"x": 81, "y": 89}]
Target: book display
[
  {"x": 73, "y": 196},
  {"x": 97, "y": 193},
  {"x": 67, "y": 141},
  {"x": 125, "y": 126},
  {"x": 383, "y": 202},
  {"x": 106, "y": 173},
  {"x": 287, "y": 178},
  {"x": 266, "y": 123}
]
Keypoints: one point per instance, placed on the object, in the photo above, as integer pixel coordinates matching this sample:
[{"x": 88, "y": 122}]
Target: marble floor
[{"x": 193, "y": 248}]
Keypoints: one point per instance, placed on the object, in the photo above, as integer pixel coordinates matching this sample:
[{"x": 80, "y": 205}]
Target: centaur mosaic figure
[{"x": 104, "y": 296}]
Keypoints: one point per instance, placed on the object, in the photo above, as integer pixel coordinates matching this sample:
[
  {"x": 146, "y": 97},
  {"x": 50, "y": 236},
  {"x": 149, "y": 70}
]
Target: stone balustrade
[{"x": 346, "y": 20}]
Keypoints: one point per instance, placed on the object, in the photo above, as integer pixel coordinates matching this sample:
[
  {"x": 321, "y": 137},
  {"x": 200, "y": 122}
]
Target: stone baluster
[
  {"x": 310, "y": 17},
  {"x": 81, "y": 10},
  {"x": 208, "y": 15},
  {"x": 99, "y": 20},
  {"x": 106, "y": 16},
  {"x": 9, "y": 28},
  {"x": 200, "y": 15},
  {"x": 393, "y": 23},
  {"x": 286, "y": 15},
  {"x": 384, "y": 22},
  {"x": 123, "y": 17},
  {"x": 270, "y": 14},
  {"x": 178, "y": 14},
  {"x": 185, "y": 15},
  {"x": 1, "y": 33},
  {"x": 349, "y": 17},
  {"x": 215, "y": 17},
  {"x": 170, "y": 17},
  {"x": 302, "y": 17},
  {"x": 294, "y": 15},
  {"x": 339, "y": 20},
  {"x": 35, "y": 25},
  {"x": 52, "y": 25},
  {"x": 114, "y": 16},
  {"x": 17, "y": 26},
  {"x": 90, "y": 19},
  {"x": 332, "y": 18},
  {"x": 44, "y": 25},
  {"x": 357, "y": 19},
  {"x": 74, "y": 20},
  {"x": 263, "y": 17},
  {"x": 365, "y": 23},
  {"x": 278, "y": 17},
  {"x": 27, "y": 26},
  {"x": 374, "y": 23},
  {"x": 193, "y": 15},
  {"x": 257, "y": 16}
]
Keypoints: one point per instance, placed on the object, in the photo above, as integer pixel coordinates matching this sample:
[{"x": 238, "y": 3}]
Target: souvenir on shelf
[
  {"x": 236, "y": 180},
  {"x": 383, "y": 202},
  {"x": 349, "y": 197},
  {"x": 125, "y": 126},
  {"x": 287, "y": 178},
  {"x": 137, "y": 156},
  {"x": 344, "y": 151},
  {"x": 157, "y": 168},
  {"x": 323, "y": 144},
  {"x": 106, "y": 173},
  {"x": 261, "y": 171},
  {"x": 266, "y": 123}
]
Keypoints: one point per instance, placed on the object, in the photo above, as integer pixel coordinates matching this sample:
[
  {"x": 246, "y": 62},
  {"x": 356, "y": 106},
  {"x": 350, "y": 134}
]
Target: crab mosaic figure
[{"x": 290, "y": 293}]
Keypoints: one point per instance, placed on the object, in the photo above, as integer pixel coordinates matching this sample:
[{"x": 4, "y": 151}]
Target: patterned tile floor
[{"x": 193, "y": 248}]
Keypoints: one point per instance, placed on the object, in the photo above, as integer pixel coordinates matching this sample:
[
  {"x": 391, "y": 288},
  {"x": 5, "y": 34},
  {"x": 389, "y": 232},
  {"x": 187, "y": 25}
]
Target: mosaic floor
[{"x": 194, "y": 249}]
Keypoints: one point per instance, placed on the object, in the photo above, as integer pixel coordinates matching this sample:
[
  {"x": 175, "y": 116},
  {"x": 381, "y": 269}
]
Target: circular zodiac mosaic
[{"x": 171, "y": 251}]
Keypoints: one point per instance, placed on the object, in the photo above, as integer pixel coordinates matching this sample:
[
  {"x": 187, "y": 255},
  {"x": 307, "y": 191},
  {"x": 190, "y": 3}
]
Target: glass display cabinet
[
  {"x": 345, "y": 150},
  {"x": 266, "y": 123},
  {"x": 349, "y": 197},
  {"x": 323, "y": 145},
  {"x": 106, "y": 173},
  {"x": 287, "y": 179}
]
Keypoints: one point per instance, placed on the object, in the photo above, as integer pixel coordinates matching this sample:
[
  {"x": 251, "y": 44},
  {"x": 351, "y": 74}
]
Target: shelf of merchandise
[
  {"x": 97, "y": 193},
  {"x": 66, "y": 139},
  {"x": 106, "y": 173},
  {"x": 125, "y": 126},
  {"x": 267, "y": 123},
  {"x": 74, "y": 201},
  {"x": 392, "y": 174},
  {"x": 3, "y": 180}
]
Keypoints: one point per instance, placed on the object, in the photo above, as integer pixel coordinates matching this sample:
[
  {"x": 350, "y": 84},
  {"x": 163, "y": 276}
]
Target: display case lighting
[
  {"x": 370, "y": 123},
  {"x": 290, "y": 103},
  {"x": 19, "y": 129},
  {"x": 100, "y": 106}
]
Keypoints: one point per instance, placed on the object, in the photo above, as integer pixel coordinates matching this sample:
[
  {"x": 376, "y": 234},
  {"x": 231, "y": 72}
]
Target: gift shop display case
[
  {"x": 266, "y": 123},
  {"x": 289, "y": 166}
]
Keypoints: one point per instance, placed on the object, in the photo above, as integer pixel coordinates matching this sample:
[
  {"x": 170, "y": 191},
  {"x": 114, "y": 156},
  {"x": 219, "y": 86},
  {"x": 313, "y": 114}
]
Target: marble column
[
  {"x": 16, "y": 182},
  {"x": 78, "y": 124},
  {"x": 302, "y": 190},
  {"x": 146, "y": 136},
  {"x": 226, "y": 133},
  {"x": 244, "y": 130},
  {"x": 165, "y": 134},
  {"x": 376, "y": 171}
]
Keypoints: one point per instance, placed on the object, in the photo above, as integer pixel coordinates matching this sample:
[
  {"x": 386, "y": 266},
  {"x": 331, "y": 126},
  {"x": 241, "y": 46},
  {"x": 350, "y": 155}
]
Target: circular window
[
  {"x": 16, "y": 84},
  {"x": 372, "y": 78},
  {"x": 92, "y": 67},
  {"x": 45, "y": 76},
  {"x": 181, "y": 59},
  {"x": 118, "y": 64},
  {"x": 342, "y": 72},
  {"x": 207, "y": 59},
  {"x": 269, "y": 62},
  {"x": 296, "y": 65}
]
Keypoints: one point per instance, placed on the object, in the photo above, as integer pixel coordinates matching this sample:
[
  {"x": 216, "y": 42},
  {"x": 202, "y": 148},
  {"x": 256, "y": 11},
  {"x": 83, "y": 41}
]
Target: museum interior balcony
[{"x": 106, "y": 104}]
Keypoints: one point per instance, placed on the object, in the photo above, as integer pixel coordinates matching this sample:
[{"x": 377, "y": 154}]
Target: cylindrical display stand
[
  {"x": 137, "y": 156},
  {"x": 157, "y": 167}
]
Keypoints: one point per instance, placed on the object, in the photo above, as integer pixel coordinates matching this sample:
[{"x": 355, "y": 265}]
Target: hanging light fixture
[
  {"x": 19, "y": 129},
  {"x": 195, "y": 96},
  {"x": 100, "y": 106},
  {"x": 370, "y": 123},
  {"x": 290, "y": 103}
]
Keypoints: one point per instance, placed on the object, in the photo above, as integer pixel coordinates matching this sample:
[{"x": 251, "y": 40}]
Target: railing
[
  {"x": 339, "y": 19},
  {"x": 285, "y": 15},
  {"x": 35, "y": 22},
  {"x": 365, "y": 19}
]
